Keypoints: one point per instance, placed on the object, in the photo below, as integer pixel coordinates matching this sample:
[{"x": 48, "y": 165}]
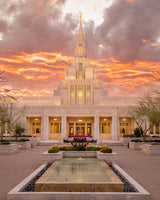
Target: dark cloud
[
  {"x": 37, "y": 26},
  {"x": 124, "y": 27}
]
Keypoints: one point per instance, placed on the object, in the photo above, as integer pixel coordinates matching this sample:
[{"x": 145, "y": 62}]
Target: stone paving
[{"x": 143, "y": 168}]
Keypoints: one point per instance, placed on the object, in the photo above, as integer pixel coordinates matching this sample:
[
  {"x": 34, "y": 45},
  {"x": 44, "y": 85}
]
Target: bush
[
  {"x": 93, "y": 148},
  {"x": 138, "y": 132},
  {"x": 106, "y": 149},
  {"x": 137, "y": 140},
  {"x": 23, "y": 140},
  {"x": 5, "y": 142},
  {"x": 126, "y": 135},
  {"x": 54, "y": 149}
]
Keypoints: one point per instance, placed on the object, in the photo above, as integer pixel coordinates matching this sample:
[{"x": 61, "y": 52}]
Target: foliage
[
  {"x": 23, "y": 140},
  {"x": 127, "y": 135},
  {"x": 18, "y": 130},
  {"x": 137, "y": 140},
  {"x": 5, "y": 142},
  {"x": 57, "y": 148},
  {"x": 138, "y": 132},
  {"x": 54, "y": 149},
  {"x": 93, "y": 148},
  {"x": 106, "y": 149},
  {"x": 147, "y": 109}
]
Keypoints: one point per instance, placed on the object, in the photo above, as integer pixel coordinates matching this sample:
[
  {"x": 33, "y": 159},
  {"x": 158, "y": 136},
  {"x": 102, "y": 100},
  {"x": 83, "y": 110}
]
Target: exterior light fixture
[
  {"x": 55, "y": 119},
  {"x": 80, "y": 120},
  {"x": 105, "y": 119},
  {"x": 36, "y": 119},
  {"x": 124, "y": 119}
]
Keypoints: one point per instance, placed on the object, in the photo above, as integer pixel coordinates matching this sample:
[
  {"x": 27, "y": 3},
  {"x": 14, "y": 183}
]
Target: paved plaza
[{"x": 143, "y": 168}]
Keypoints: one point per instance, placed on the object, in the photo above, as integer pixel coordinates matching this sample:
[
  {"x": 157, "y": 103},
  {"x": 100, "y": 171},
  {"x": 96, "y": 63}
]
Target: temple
[{"x": 79, "y": 106}]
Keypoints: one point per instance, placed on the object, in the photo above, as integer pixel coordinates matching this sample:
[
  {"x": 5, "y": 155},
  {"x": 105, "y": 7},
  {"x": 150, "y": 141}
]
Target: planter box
[
  {"x": 50, "y": 157},
  {"x": 136, "y": 145},
  {"x": 34, "y": 141},
  {"x": 151, "y": 149},
  {"x": 24, "y": 145},
  {"x": 110, "y": 158},
  {"x": 127, "y": 140},
  {"x": 9, "y": 149}
]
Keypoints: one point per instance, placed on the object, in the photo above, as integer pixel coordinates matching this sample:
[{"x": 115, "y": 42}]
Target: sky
[{"x": 38, "y": 37}]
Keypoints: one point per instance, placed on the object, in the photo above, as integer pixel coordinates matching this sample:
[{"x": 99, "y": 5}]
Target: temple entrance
[
  {"x": 80, "y": 129},
  {"x": 80, "y": 126}
]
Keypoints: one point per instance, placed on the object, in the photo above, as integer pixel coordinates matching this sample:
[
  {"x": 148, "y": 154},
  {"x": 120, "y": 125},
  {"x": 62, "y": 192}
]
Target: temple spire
[{"x": 80, "y": 49}]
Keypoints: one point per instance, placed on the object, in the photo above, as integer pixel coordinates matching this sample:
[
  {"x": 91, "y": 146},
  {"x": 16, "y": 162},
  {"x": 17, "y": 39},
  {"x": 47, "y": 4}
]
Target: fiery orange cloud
[
  {"x": 129, "y": 1},
  {"x": 38, "y": 73},
  {"x": 149, "y": 42}
]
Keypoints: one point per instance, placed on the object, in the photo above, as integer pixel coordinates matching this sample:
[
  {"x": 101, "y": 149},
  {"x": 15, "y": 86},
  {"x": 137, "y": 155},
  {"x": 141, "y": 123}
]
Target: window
[
  {"x": 80, "y": 71},
  {"x": 124, "y": 128},
  {"x": 72, "y": 92},
  {"x": 89, "y": 129},
  {"x": 88, "y": 91},
  {"x": 71, "y": 129},
  {"x": 55, "y": 128},
  {"x": 80, "y": 92},
  {"x": 104, "y": 128},
  {"x": 36, "y": 128}
]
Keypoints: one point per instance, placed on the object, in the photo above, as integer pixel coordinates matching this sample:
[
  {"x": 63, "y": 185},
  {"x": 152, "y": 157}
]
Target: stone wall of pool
[
  {"x": 17, "y": 194},
  {"x": 110, "y": 158}
]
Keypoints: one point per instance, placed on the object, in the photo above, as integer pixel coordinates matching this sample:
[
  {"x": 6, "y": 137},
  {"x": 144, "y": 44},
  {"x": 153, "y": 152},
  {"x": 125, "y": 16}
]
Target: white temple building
[{"x": 79, "y": 106}]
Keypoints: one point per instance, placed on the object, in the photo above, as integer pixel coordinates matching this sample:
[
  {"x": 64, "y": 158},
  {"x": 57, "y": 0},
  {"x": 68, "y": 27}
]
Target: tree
[
  {"x": 4, "y": 118},
  {"x": 10, "y": 113},
  {"x": 147, "y": 109},
  {"x": 18, "y": 129}
]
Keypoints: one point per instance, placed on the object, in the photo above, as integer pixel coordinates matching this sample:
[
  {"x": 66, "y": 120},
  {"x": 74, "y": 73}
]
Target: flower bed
[
  {"x": 57, "y": 148},
  {"x": 100, "y": 152}
]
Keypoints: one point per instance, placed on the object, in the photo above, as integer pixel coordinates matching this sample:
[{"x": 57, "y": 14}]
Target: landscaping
[{"x": 57, "y": 148}]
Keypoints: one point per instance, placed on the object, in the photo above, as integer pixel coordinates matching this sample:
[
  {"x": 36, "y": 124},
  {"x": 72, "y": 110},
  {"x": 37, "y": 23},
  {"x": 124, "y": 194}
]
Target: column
[
  {"x": 115, "y": 125},
  {"x": 96, "y": 127},
  {"x": 63, "y": 132},
  {"x": 85, "y": 128},
  {"x": 74, "y": 128},
  {"x": 45, "y": 126}
]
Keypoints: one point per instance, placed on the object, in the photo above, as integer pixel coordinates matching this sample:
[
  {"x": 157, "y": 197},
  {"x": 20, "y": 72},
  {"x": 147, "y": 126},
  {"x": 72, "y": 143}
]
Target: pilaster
[
  {"x": 63, "y": 130},
  {"x": 115, "y": 125},
  {"x": 96, "y": 127},
  {"x": 45, "y": 126}
]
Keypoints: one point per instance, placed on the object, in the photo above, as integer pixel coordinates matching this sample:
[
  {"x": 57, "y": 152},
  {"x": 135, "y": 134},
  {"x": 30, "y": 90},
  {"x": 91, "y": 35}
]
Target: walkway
[{"x": 144, "y": 169}]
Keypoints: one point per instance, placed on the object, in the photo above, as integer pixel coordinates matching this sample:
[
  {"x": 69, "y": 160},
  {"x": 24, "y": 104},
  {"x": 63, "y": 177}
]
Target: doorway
[{"x": 80, "y": 128}]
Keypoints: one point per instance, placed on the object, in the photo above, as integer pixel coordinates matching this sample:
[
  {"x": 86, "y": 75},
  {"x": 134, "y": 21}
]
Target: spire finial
[{"x": 80, "y": 14}]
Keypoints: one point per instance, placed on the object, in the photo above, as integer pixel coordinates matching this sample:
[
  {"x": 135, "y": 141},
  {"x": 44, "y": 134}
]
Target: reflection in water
[{"x": 79, "y": 170}]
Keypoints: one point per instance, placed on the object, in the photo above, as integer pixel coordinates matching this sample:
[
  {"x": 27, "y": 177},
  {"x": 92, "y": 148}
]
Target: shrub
[
  {"x": 54, "y": 149},
  {"x": 93, "y": 148},
  {"x": 126, "y": 135},
  {"x": 138, "y": 132},
  {"x": 106, "y": 149},
  {"x": 137, "y": 140},
  {"x": 23, "y": 140},
  {"x": 5, "y": 142}
]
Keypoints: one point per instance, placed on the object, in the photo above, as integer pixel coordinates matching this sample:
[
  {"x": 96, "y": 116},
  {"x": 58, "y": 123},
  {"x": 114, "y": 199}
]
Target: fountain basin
[{"x": 79, "y": 175}]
